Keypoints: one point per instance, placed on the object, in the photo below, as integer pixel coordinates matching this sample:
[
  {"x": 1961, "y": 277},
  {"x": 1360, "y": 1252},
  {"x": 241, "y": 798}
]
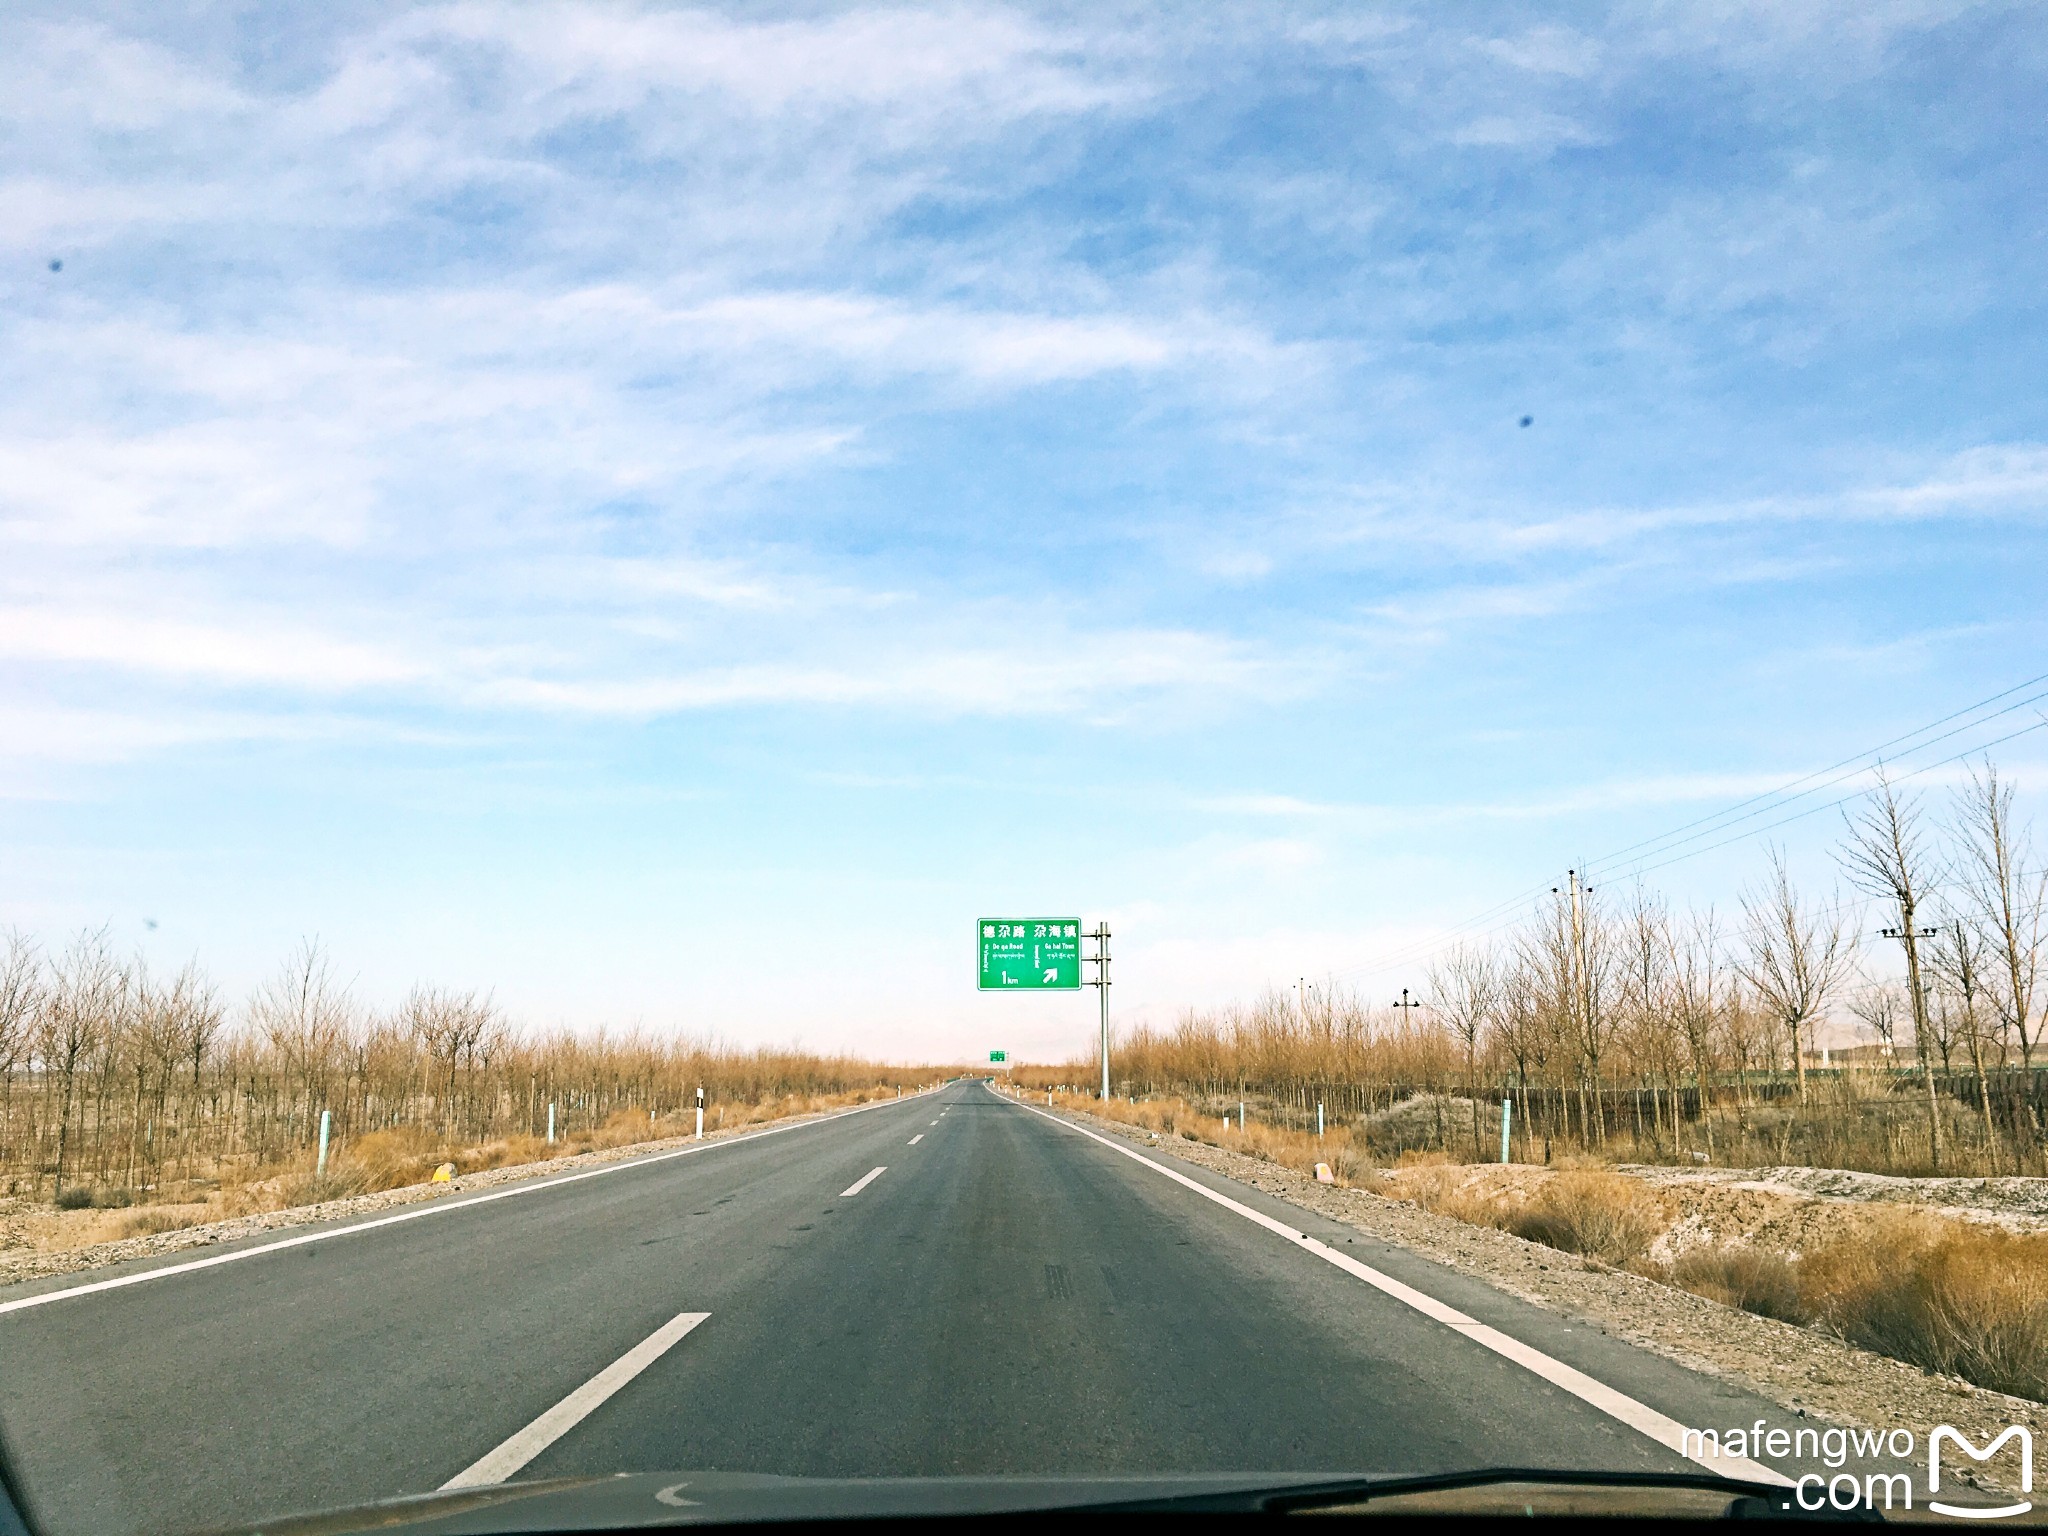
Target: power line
[
  {"x": 1509, "y": 910},
  {"x": 1857, "y": 760},
  {"x": 1814, "y": 810},
  {"x": 1828, "y": 783}
]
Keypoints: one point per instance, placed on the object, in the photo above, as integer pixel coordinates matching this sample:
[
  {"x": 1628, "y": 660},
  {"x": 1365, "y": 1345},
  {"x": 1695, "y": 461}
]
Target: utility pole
[
  {"x": 1909, "y": 934},
  {"x": 1404, "y": 1005},
  {"x": 1582, "y": 1009},
  {"x": 1100, "y": 960},
  {"x": 1582, "y": 983}
]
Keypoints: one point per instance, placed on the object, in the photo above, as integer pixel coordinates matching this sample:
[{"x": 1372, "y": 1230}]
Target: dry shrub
[
  {"x": 1353, "y": 1164},
  {"x": 341, "y": 1180},
  {"x": 623, "y": 1128},
  {"x": 1445, "y": 1188},
  {"x": 1950, "y": 1296},
  {"x": 506, "y": 1152},
  {"x": 1605, "y": 1216},
  {"x": 1741, "y": 1275},
  {"x": 391, "y": 1159}
]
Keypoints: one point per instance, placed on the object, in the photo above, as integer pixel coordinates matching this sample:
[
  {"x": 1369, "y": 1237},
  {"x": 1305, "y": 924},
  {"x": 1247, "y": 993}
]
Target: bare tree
[
  {"x": 450, "y": 1026},
  {"x": 1959, "y": 956},
  {"x": 1878, "y": 1005},
  {"x": 84, "y": 1003},
  {"x": 1886, "y": 856},
  {"x": 1521, "y": 1031},
  {"x": 21, "y": 1000},
  {"x": 1644, "y": 969},
  {"x": 2011, "y": 903},
  {"x": 1467, "y": 987},
  {"x": 1696, "y": 1005},
  {"x": 1795, "y": 960},
  {"x": 306, "y": 1016}
]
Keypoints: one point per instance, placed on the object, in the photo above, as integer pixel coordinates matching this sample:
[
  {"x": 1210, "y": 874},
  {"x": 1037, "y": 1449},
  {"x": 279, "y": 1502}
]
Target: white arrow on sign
[{"x": 1051, "y": 976}]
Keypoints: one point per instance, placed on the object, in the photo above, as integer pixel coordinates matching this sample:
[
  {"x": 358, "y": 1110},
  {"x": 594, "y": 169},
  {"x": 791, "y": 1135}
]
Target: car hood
[{"x": 630, "y": 1501}]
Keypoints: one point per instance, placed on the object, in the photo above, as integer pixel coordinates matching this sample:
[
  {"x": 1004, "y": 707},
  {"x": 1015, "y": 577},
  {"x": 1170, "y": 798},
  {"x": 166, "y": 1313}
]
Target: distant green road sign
[
  {"x": 998, "y": 1055},
  {"x": 1030, "y": 954}
]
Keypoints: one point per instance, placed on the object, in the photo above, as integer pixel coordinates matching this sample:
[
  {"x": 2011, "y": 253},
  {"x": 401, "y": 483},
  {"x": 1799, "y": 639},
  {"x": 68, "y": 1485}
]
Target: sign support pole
[{"x": 1100, "y": 960}]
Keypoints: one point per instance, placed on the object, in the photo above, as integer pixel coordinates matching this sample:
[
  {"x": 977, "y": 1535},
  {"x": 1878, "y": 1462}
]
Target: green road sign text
[{"x": 1030, "y": 954}]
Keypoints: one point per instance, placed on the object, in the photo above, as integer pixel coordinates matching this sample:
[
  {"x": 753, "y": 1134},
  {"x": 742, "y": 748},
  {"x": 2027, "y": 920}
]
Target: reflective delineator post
[
  {"x": 551, "y": 1125},
  {"x": 326, "y": 1124},
  {"x": 700, "y": 1114},
  {"x": 1507, "y": 1116},
  {"x": 1319, "y": 1122}
]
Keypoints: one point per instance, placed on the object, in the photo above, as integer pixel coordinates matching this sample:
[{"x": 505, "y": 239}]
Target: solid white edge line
[
  {"x": 864, "y": 1181},
  {"x": 435, "y": 1208},
  {"x": 1640, "y": 1417},
  {"x": 503, "y": 1460}
]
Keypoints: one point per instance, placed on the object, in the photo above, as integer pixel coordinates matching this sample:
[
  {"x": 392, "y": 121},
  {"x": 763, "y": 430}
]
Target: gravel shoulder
[{"x": 1806, "y": 1371}]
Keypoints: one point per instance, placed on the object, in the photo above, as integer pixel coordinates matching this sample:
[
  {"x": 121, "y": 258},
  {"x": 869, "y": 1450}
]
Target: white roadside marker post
[
  {"x": 326, "y": 1124},
  {"x": 700, "y": 1114},
  {"x": 1319, "y": 1122},
  {"x": 1507, "y": 1115},
  {"x": 551, "y": 1125}
]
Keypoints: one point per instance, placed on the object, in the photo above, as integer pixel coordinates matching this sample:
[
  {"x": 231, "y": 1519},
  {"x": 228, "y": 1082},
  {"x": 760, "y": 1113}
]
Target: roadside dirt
[{"x": 1808, "y": 1372}]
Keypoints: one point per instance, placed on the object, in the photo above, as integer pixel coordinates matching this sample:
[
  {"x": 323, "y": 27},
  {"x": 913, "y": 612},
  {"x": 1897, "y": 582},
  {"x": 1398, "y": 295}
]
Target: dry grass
[
  {"x": 1956, "y": 1297},
  {"x": 152, "y": 1219},
  {"x": 1604, "y": 1216},
  {"x": 1754, "y": 1279}
]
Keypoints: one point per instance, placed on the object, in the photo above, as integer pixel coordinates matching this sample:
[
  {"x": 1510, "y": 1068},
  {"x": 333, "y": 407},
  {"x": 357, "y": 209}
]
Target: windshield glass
[{"x": 1014, "y": 756}]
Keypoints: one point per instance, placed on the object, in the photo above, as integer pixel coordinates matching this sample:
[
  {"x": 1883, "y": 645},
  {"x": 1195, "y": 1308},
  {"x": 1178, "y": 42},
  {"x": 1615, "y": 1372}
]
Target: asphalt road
[{"x": 1007, "y": 1296}]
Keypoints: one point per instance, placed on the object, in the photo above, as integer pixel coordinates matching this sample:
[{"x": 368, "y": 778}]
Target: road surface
[{"x": 952, "y": 1284}]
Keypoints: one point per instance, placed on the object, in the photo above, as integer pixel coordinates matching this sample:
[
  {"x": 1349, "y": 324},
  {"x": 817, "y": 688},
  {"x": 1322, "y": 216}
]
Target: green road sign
[
  {"x": 998, "y": 1055},
  {"x": 1030, "y": 953}
]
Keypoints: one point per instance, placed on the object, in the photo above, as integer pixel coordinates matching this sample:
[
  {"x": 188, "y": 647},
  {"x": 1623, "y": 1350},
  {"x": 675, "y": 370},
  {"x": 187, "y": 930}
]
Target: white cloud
[
  {"x": 1088, "y": 673},
  {"x": 1529, "y": 130},
  {"x": 273, "y": 653},
  {"x": 591, "y": 58},
  {"x": 1549, "y": 50}
]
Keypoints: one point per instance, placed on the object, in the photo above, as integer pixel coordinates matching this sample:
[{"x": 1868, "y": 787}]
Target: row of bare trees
[
  {"x": 1612, "y": 1018},
  {"x": 114, "y": 1076}
]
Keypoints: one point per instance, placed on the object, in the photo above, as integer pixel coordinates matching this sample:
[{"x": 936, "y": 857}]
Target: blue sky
[{"x": 673, "y": 513}]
